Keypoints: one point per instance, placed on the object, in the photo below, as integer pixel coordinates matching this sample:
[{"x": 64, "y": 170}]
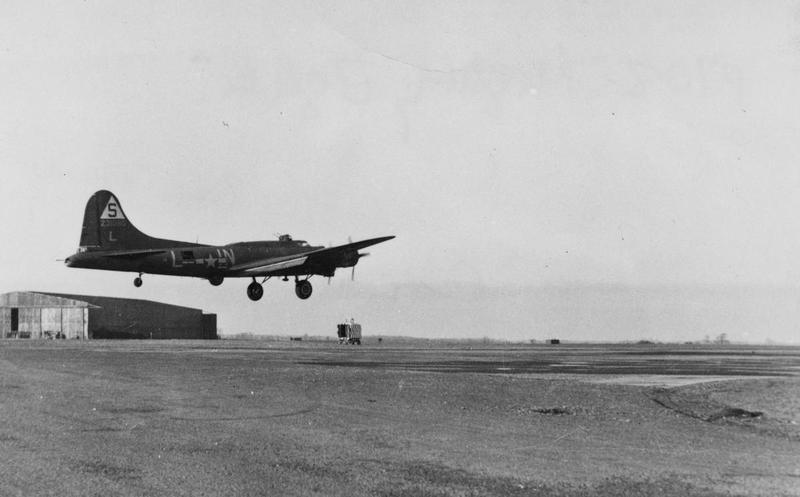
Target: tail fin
[{"x": 106, "y": 227}]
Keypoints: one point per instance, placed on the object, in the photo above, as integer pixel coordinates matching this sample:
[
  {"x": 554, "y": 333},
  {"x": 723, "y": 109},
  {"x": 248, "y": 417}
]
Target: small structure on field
[{"x": 349, "y": 333}]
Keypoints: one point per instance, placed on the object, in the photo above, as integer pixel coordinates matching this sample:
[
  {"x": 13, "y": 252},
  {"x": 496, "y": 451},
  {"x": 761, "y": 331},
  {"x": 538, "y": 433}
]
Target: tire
[
  {"x": 255, "y": 291},
  {"x": 303, "y": 289}
]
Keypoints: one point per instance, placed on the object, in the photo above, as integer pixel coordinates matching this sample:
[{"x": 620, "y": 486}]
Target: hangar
[{"x": 58, "y": 315}]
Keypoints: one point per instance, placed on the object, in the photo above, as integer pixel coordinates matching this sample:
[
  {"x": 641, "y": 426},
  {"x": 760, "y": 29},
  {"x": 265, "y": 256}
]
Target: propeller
[
  {"x": 353, "y": 272},
  {"x": 330, "y": 244}
]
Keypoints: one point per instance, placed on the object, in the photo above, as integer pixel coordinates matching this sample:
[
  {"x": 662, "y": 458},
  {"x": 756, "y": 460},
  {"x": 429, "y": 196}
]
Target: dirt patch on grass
[
  {"x": 734, "y": 413},
  {"x": 765, "y": 406},
  {"x": 133, "y": 410},
  {"x": 659, "y": 380},
  {"x": 426, "y": 479},
  {"x": 420, "y": 478},
  {"x": 108, "y": 470},
  {"x": 6, "y": 438}
]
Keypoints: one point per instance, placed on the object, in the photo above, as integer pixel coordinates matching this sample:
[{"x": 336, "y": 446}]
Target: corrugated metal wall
[
  {"x": 51, "y": 319},
  {"x": 72, "y": 322},
  {"x": 5, "y": 322},
  {"x": 35, "y": 315},
  {"x": 41, "y": 322},
  {"x": 210, "y": 326},
  {"x": 143, "y": 319},
  {"x": 30, "y": 321}
]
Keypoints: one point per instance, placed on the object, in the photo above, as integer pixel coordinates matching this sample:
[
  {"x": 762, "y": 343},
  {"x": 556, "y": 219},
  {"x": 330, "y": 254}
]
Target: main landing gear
[
  {"x": 137, "y": 282},
  {"x": 302, "y": 288},
  {"x": 254, "y": 290}
]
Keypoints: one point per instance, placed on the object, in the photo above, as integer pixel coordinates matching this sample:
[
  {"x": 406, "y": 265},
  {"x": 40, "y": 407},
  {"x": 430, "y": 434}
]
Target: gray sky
[{"x": 504, "y": 143}]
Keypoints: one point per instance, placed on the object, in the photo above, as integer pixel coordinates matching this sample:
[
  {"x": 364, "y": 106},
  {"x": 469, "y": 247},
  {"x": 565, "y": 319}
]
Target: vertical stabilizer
[{"x": 106, "y": 227}]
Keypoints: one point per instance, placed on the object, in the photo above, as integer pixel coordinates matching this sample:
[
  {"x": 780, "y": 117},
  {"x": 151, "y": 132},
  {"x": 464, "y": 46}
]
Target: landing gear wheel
[
  {"x": 303, "y": 289},
  {"x": 255, "y": 291},
  {"x": 216, "y": 279},
  {"x": 137, "y": 282}
]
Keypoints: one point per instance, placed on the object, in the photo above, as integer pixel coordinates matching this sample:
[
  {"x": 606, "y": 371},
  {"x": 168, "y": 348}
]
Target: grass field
[{"x": 236, "y": 417}]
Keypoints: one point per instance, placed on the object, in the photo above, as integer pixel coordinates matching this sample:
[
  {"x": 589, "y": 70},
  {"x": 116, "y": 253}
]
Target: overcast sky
[{"x": 504, "y": 143}]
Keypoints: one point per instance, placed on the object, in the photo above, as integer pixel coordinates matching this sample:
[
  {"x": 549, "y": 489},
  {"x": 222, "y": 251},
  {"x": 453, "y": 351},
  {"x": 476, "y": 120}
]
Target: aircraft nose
[{"x": 68, "y": 261}]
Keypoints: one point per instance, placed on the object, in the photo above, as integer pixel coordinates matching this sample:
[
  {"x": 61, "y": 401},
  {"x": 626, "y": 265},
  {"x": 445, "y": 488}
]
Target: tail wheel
[
  {"x": 303, "y": 289},
  {"x": 137, "y": 282},
  {"x": 216, "y": 279},
  {"x": 255, "y": 291}
]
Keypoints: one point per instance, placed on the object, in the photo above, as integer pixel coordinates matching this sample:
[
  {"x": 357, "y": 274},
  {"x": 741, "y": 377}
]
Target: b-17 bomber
[{"x": 109, "y": 241}]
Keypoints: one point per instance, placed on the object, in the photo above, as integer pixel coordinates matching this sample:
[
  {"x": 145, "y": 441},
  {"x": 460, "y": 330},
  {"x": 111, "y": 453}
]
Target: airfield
[{"x": 237, "y": 417}]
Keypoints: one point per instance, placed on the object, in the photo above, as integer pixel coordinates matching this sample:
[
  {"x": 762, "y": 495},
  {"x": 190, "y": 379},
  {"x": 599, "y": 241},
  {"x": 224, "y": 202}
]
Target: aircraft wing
[
  {"x": 321, "y": 256},
  {"x": 357, "y": 245},
  {"x": 333, "y": 253}
]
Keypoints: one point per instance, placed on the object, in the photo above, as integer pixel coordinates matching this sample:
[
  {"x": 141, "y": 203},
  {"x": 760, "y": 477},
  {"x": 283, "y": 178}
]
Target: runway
[
  {"x": 279, "y": 418},
  {"x": 692, "y": 360}
]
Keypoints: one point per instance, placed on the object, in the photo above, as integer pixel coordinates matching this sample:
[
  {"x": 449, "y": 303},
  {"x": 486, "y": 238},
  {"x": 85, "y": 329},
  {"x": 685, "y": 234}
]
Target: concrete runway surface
[{"x": 230, "y": 417}]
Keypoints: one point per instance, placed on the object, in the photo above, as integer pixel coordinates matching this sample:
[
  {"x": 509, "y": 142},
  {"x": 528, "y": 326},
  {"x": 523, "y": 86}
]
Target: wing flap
[{"x": 263, "y": 267}]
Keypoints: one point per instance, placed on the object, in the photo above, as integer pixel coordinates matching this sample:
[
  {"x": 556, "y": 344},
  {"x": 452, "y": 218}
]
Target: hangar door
[
  {"x": 51, "y": 321},
  {"x": 74, "y": 321},
  {"x": 67, "y": 321},
  {"x": 29, "y": 322}
]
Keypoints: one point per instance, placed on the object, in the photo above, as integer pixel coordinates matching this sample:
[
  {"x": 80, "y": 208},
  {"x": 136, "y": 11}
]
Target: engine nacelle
[{"x": 349, "y": 258}]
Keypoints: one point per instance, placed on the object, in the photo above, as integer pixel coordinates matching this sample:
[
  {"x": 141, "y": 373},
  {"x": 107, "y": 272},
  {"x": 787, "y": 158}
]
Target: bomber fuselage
[{"x": 205, "y": 261}]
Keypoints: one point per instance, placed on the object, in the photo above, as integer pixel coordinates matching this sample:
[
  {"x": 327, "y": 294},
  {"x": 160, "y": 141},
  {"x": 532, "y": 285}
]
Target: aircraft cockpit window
[{"x": 302, "y": 243}]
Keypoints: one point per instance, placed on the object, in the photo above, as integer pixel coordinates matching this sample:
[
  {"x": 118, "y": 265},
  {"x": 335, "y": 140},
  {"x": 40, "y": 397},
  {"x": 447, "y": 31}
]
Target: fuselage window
[{"x": 187, "y": 254}]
